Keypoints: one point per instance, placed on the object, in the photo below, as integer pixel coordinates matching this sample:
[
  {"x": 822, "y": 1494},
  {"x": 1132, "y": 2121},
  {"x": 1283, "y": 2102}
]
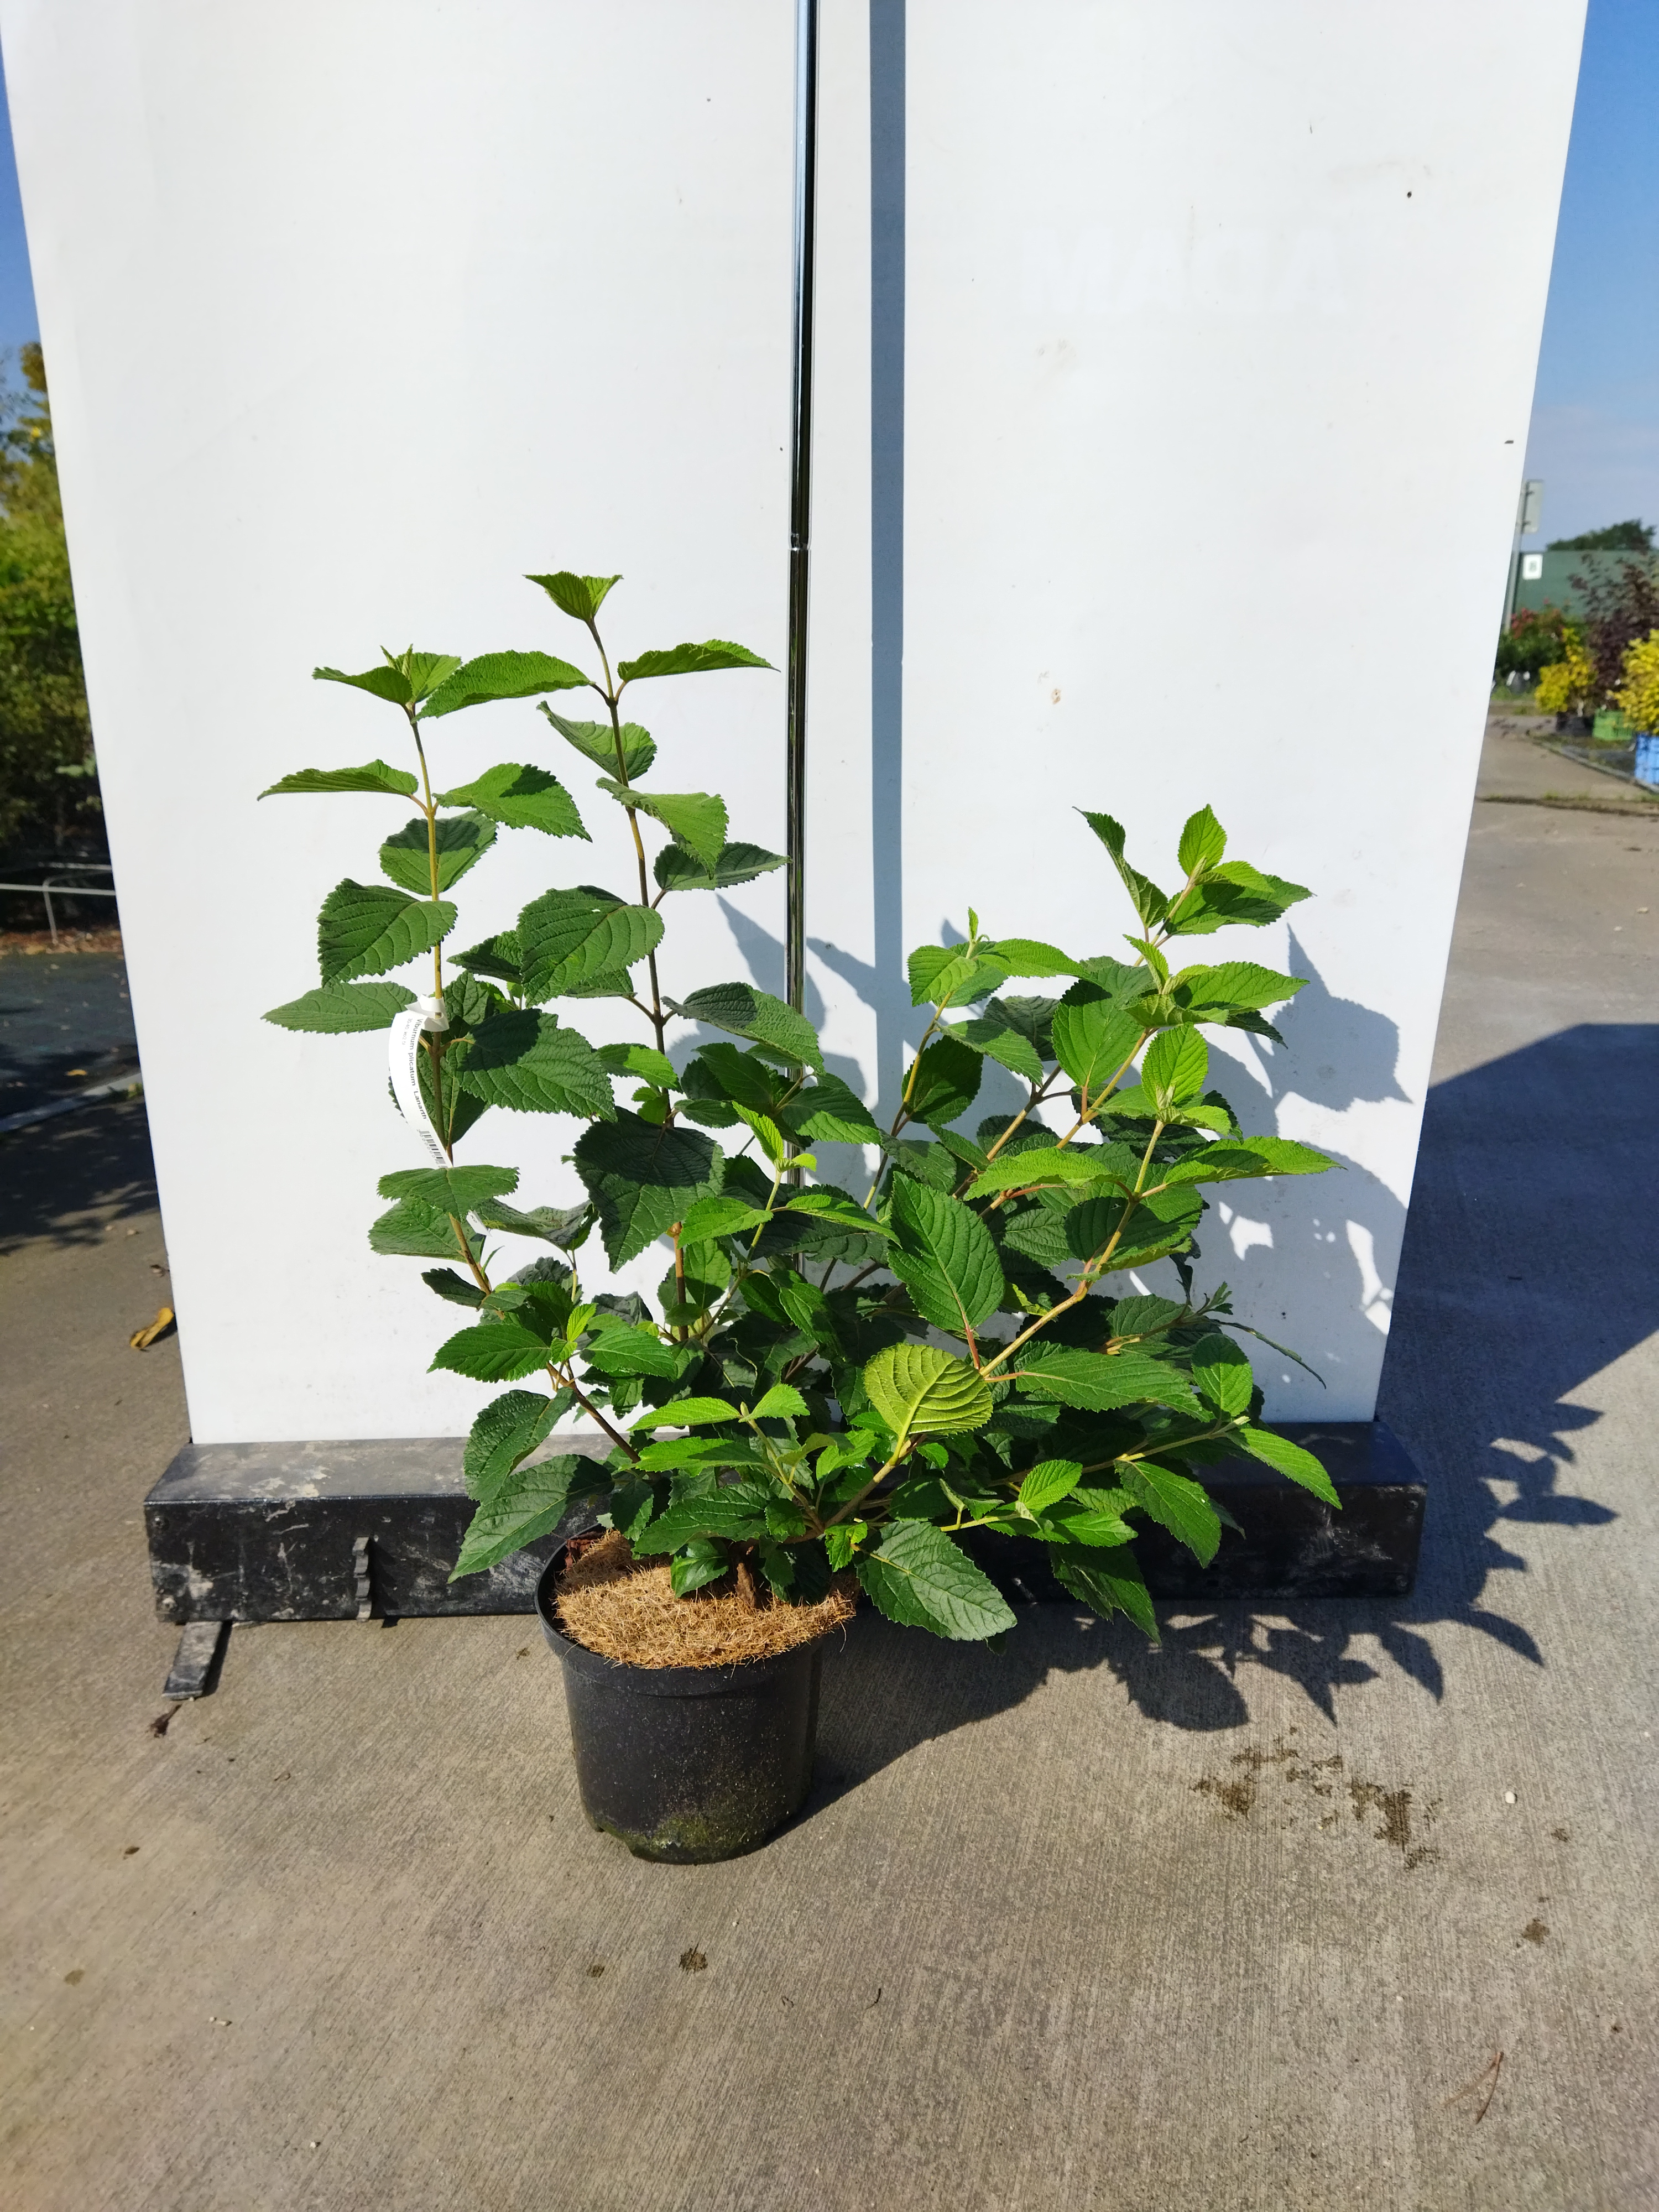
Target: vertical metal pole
[{"x": 800, "y": 486}]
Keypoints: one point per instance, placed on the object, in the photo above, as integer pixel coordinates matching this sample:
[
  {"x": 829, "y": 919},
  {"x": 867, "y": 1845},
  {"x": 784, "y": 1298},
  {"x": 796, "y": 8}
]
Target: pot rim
[{"x": 660, "y": 1681}]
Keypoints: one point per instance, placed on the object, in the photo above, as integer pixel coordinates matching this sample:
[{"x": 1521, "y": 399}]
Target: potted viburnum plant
[{"x": 837, "y": 1388}]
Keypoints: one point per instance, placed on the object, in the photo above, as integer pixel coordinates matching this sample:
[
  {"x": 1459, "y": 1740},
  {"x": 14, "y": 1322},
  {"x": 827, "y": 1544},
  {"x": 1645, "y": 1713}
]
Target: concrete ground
[{"x": 1348, "y": 1906}]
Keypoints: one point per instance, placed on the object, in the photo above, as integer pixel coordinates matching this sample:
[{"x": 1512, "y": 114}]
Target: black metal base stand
[
  {"x": 351, "y": 1531},
  {"x": 1287, "y": 1544}
]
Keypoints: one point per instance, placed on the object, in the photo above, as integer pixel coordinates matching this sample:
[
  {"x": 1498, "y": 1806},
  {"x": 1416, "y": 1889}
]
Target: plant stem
[
  {"x": 435, "y": 1047},
  {"x": 880, "y": 1476},
  {"x": 903, "y": 1114},
  {"x": 431, "y": 811},
  {"x": 610, "y": 694},
  {"x": 565, "y": 1379}
]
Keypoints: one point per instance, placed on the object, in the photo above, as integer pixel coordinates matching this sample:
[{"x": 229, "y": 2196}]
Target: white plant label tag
[{"x": 408, "y": 1028}]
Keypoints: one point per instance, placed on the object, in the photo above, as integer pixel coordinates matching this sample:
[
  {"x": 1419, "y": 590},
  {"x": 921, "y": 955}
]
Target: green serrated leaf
[
  {"x": 1150, "y": 903},
  {"x": 919, "y": 1578},
  {"x": 920, "y": 1390},
  {"x": 462, "y": 840},
  {"x": 1260, "y": 1157},
  {"x": 365, "y": 928},
  {"x": 523, "y": 797},
  {"x": 1097, "y": 1382},
  {"x": 943, "y": 1082},
  {"x": 567, "y": 1227},
  {"x": 698, "y": 1456},
  {"x": 689, "y": 661},
  {"x": 695, "y": 820},
  {"x": 1233, "y": 895},
  {"x": 496, "y": 955},
  {"x": 720, "y": 1217},
  {"x": 339, "y": 1009},
  {"x": 1144, "y": 1315},
  {"x": 1222, "y": 1373},
  {"x": 842, "y": 1541},
  {"x": 1276, "y": 1451},
  {"x": 413, "y": 1231},
  {"x": 780, "y": 1403},
  {"x": 742, "y": 1011},
  {"x": 1209, "y": 992},
  {"x": 1049, "y": 1167},
  {"x": 492, "y": 1351},
  {"x": 527, "y": 1504},
  {"x": 952, "y": 975},
  {"x": 1203, "y": 841},
  {"x": 1176, "y": 1067},
  {"x": 702, "y": 1560},
  {"x": 506, "y": 1432},
  {"x": 1100, "y": 1531},
  {"x": 450, "y": 1109},
  {"x": 734, "y": 1512},
  {"x": 944, "y": 1255},
  {"x": 642, "y": 1061},
  {"x": 451, "y": 1189},
  {"x": 746, "y": 1078},
  {"x": 1094, "y": 1038},
  {"x": 597, "y": 742},
  {"x": 501, "y": 676},
  {"x": 387, "y": 682},
  {"x": 637, "y": 1351},
  {"x": 997, "y": 1039},
  {"x": 642, "y": 1177},
  {"x": 824, "y": 1202},
  {"x": 686, "y": 1413},
  {"x": 425, "y": 671},
  {"x": 1047, "y": 1482},
  {"x": 676, "y": 870},
  {"x": 1028, "y": 955},
  {"x": 446, "y": 1284},
  {"x": 374, "y": 775},
  {"x": 567, "y": 937},
  {"x": 527, "y": 1063},
  {"x": 579, "y": 597},
  {"x": 1032, "y": 1018},
  {"x": 1180, "y": 1504},
  {"x": 830, "y": 1112},
  {"x": 1107, "y": 1585}
]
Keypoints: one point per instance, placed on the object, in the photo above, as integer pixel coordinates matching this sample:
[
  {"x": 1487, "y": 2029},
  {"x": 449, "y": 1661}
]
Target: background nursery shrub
[
  {"x": 1638, "y": 697},
  {"x": 1569, "y": 685},
  {"x": 1533, "y": 639},
  {"x": 859, "y": 1379}
]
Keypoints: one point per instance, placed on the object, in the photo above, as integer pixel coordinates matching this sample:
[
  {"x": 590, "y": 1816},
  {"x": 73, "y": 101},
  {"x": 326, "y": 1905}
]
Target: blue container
[{"x": 1647, "y": 758}]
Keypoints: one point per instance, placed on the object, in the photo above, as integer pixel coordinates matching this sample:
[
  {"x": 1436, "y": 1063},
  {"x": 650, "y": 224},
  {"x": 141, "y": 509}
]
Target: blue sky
[
  {"x": 1595, "y": 419},
  {"x": 1595, "y": 414}
]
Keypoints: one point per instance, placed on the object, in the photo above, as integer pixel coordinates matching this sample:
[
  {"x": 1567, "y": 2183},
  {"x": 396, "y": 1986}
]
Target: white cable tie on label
[{"x": 408, "y": 1028}]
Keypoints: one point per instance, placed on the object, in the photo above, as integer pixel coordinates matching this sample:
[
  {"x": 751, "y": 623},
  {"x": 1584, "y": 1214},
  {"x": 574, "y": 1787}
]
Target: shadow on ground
[
  {"x": 1527, "y": 1271},
  {"x": 59, "y": 1179},
  {"x": 65, "y": 1022}
]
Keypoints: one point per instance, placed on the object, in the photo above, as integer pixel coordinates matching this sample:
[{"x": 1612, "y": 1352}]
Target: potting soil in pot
[{"x": 623, "y": 1609}]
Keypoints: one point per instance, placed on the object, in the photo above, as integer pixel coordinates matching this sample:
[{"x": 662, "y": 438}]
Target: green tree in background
[
  {"x": 48, "y": 778},
  {"x": 1632, "y": 537}
]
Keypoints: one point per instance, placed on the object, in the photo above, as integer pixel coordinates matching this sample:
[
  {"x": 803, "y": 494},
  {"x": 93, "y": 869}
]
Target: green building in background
[{"x": 1545, "y": 579}]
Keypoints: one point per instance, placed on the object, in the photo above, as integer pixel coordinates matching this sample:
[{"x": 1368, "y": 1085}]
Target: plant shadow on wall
[{"x": 1332, "y": 1250}]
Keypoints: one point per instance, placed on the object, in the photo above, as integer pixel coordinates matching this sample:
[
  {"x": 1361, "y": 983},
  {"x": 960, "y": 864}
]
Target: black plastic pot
[{"x": 687, "y": 1763}]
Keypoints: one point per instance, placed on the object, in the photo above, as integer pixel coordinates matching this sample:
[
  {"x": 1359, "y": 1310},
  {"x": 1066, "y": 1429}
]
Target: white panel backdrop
[
  {"x": 1178, "y": 358},
  {"x": 354, "y": 314},
  {"x": 1221, "y": 337}
]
